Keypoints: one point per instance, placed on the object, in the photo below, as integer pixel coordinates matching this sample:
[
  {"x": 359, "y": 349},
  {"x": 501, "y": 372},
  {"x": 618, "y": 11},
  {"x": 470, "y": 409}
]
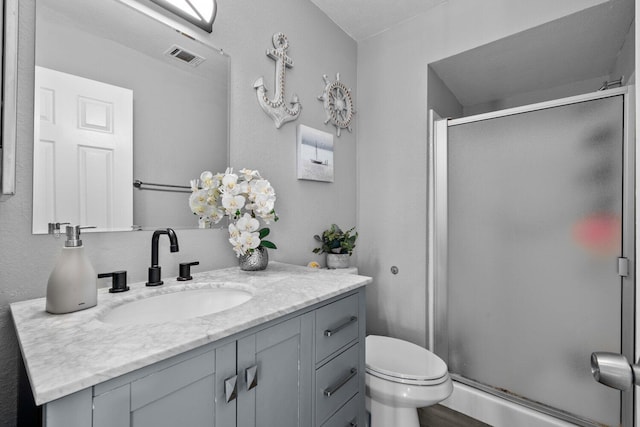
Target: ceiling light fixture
[{"x": 201, "y": 13}]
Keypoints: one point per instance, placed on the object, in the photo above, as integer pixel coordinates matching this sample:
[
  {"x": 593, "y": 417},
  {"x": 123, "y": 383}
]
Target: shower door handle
[{"x": 614, "y": 370}]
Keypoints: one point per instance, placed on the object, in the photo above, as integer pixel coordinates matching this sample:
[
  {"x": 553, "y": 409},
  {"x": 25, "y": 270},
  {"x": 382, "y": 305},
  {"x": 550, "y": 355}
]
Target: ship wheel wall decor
[
  {"x": 277, "y": 108},
  {"x": 338, "y": 104}
]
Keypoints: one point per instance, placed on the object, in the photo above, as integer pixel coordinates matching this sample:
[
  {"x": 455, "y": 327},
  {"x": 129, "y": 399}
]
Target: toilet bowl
[{"x": 400, "y": 378}]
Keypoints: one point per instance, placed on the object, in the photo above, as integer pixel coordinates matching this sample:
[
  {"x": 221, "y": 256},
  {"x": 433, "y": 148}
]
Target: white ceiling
[{"x": 365, "y": 18}]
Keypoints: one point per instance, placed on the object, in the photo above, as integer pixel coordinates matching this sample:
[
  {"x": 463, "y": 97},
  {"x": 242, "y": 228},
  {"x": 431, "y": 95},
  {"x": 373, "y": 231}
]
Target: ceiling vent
[{"x": 185, "y": 56}]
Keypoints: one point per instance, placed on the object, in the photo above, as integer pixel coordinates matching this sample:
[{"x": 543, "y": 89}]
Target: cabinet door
[
  {"x": 182, "y": 394},
  {"x": 280, "y": 392},
  {"x": 112, "y": 409},
  {"x": 73, "y": 410}
]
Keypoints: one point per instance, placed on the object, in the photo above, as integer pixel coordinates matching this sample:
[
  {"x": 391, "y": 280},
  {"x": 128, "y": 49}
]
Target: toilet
[{"x": 400, "y": 378}]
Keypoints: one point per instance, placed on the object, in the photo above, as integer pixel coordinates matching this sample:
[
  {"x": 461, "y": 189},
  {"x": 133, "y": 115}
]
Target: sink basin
[{"x": 176, "y": 306}]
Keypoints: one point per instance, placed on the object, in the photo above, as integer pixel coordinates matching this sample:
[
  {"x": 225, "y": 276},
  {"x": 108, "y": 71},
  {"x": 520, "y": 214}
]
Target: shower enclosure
[{"x": 532, "y": 233}]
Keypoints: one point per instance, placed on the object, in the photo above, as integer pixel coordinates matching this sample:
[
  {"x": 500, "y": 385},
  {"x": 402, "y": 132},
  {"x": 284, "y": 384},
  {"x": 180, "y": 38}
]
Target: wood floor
[{"x": 441, "y": 416}]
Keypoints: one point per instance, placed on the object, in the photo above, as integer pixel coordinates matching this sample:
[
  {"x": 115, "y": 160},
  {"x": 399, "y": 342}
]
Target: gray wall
[
  {"x": 392, "y": 130},
  {"x": 243, "y": 29},
  {"x": 625, "y": 66},
  {"x": 441, "y": 99},
  {"x": 563, "y": 91}
]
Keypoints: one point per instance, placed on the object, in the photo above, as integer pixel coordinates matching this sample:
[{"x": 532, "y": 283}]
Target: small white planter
[{"x": 338, "y": 260}]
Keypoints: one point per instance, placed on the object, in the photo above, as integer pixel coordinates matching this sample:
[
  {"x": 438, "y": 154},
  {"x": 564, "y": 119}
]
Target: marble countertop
[{"x": 70, "y": 352}]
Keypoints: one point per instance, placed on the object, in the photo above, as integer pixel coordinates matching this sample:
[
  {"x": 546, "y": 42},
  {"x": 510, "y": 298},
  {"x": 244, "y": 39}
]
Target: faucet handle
[
  {"x": 185, "y": 270},
  {"x": 119, "y": 281},
  {"x": 54, "y": 228}
]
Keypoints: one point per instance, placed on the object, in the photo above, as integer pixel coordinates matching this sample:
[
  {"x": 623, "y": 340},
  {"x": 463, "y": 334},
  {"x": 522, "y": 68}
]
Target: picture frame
[{"x": 315, "y": 154}]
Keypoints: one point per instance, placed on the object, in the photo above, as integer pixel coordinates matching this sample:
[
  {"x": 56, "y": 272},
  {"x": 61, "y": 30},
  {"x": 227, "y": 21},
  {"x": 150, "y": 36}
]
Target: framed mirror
[
  {"x": 122, "y": 98},
  {"x": 9, "y": 95}
]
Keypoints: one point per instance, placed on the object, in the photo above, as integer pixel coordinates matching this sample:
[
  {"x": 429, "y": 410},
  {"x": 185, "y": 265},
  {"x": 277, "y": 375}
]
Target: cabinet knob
[
  {"x": 251, "y": 377},
  {"x": 231, "y": 388}
]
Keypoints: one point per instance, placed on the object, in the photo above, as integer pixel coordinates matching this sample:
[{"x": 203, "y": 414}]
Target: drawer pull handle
[
  {"x": 231, "y": 388},
  {"x": 251, "y": 377},
  {"x": 353, "y": 423},
  {"x": 332, "y": 390},
  {"x": 330, "y": 332}
]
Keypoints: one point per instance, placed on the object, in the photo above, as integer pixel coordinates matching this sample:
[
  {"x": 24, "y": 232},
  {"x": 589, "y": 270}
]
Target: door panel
[
  {"x": 83, "y": 152},
  {"x": 534, "y": 232}
]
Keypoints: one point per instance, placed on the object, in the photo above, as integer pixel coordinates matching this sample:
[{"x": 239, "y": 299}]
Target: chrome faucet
[{"x": 155, "y": 269}]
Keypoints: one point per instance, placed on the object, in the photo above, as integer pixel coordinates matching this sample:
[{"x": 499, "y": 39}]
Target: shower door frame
[{"x": 438, "y": 242}]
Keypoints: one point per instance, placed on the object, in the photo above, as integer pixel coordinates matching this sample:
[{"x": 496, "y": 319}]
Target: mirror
[
  {"x": 9, "y": 95},
  {"x": 122, "y": 97}
]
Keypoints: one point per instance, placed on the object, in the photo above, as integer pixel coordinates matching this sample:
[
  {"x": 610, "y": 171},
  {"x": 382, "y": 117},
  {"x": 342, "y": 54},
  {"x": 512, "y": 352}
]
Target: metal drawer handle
[
  {"x": 330, "y": 332},
  {"x": 353, "y": 423},
  {"x": 251, "y": 377},
  {"x": 231, "y": 388},
  {"x": 332, "y": 390}
]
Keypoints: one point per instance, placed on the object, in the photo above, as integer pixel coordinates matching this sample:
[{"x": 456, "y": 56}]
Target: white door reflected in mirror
[{"x": 83, "y": 154}]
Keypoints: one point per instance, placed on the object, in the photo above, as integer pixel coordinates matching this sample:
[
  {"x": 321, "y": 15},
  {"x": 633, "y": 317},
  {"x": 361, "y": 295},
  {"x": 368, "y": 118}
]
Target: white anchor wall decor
[
  {"x": 277, "y": 108},
  {"x": 338, "y": 104}
]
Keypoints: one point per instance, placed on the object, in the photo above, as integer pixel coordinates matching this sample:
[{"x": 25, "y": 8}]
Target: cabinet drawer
[
  {"x": 347, "y": 416},
  {"x": 336, "y": 383},
  {"x": 336, "y": 326}
]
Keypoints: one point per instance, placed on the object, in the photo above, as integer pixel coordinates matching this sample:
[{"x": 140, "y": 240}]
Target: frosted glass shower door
[{"x": 534, "y": 220}]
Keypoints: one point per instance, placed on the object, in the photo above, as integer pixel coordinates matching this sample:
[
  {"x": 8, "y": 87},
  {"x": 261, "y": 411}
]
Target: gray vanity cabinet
[{"x": 304, "y": 369}]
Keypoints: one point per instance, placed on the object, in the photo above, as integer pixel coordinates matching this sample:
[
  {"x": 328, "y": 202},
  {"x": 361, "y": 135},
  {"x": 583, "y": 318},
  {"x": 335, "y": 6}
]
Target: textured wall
[
  {"x": 243, "y": 29},
  {"x": 392, "y": 134}
]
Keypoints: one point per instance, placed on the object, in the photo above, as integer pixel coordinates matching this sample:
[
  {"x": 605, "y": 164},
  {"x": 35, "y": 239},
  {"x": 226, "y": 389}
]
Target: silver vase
[
  {"x": 255, "y": 261},
  {"x": 338, "y": 261}
]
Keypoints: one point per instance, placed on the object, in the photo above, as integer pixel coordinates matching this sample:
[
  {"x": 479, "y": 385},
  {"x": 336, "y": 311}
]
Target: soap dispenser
[{"x": 73, "y": 284}]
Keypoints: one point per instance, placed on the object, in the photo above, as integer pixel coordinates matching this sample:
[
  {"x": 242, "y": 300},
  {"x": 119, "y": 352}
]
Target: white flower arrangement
[{"x": 244, "y": 198}]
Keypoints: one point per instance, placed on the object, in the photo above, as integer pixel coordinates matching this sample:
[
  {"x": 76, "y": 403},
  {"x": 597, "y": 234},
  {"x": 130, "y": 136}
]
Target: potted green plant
[{"x": 338, "y": 245}]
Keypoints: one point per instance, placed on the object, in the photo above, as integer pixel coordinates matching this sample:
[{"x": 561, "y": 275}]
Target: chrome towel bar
[{"x": 161, "y": 187}]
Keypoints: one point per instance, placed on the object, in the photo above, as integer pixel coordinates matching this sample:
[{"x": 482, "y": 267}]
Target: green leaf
[
  {"x": 268, "y": 244},
  {"x": 264, "y": 233}
]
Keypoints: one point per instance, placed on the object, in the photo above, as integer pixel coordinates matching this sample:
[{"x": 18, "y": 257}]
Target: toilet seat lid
[{"x": 402, "y": 359}]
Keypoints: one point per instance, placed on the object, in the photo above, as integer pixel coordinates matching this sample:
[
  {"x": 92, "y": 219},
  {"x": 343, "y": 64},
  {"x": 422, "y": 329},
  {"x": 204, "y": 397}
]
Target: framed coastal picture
[{"x": 315, "y": 154}]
